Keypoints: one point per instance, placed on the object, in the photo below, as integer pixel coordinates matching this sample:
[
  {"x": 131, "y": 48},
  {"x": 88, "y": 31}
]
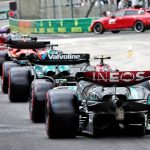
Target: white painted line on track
[{"x": 63, "y": 35}]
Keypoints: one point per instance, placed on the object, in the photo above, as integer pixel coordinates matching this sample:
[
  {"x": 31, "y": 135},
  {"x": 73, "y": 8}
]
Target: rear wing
[
  {"x": 28, "y": 44},
  {"x": 62, "y": 59},
  {"x": 118, "y": 79}
]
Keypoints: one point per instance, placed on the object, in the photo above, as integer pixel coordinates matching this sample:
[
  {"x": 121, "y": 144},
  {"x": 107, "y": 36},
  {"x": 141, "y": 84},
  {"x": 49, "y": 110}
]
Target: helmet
[{"x": 103, "y": 68}]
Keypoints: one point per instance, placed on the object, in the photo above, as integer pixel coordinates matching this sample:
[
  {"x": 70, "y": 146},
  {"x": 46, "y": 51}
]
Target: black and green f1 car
[{"x": 100, "y": 101}]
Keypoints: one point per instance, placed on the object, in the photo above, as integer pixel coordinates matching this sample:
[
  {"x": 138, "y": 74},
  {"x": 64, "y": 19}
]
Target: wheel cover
[
  {"x": 98, "y": 28},
  {"x": 139, "y": 26}
]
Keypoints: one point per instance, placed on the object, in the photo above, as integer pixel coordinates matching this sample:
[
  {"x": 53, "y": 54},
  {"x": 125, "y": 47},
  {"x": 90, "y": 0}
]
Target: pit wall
[{"x": 75, "y": 25}]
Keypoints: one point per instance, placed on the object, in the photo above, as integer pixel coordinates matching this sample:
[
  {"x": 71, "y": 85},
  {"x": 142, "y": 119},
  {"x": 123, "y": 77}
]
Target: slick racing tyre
[
  {"x": 139, "y": 26},
  {"x": 136, "y": 125},
  {"x": 141, "y": 130},
  {"x": 61, "y": 113},
  {"x": 3, "y": 57},
  {"x": 98, "y": 28},
  {"x": 5, "y": 70},
  {"x": 39, "y": 87},
  {"x": 19, "y": 84}
]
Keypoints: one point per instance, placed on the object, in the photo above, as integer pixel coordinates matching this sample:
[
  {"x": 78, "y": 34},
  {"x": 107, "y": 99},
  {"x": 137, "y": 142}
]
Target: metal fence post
[
  {"x": 72, "y": 8},
  {"x": 54, "y": 10},
  {"x": 100, "y": 8}
]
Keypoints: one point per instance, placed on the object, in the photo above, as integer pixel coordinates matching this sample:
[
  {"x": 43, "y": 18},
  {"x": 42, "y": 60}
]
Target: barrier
[{"x": 75, "y": 25}]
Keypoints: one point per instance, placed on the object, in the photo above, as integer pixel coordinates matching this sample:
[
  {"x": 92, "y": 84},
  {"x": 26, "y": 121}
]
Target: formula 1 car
[
  {"x": 3, "y": 31},
  {"x": 125, "y": 19},
  {"x": 57, "y": 70},
  {"x": 101, "y": 100},
  {"x": 3, "y": 47},
  {"x": 16, "y": 55},
  {"x": 7, "y": 38},
  {"x": 39, "y": 75},
  {"x": 63, "y": 73}
]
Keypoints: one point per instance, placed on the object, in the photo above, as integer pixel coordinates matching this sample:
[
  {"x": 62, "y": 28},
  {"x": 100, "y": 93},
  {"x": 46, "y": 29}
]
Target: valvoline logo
[
  {"x": 62, "y": 57},
  {"x": 44, "y": 56}
]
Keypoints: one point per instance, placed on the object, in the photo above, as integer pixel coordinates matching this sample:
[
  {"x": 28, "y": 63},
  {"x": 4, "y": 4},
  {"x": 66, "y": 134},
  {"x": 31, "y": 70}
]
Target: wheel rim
[
  {"x": 98, "y": 28},
  {"x": 139, "y": 27}
]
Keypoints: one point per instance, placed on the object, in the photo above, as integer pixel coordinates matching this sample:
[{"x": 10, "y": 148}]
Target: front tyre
[
  {"x": 98, "y": 28},
  {"x": 139, "y": 26}
]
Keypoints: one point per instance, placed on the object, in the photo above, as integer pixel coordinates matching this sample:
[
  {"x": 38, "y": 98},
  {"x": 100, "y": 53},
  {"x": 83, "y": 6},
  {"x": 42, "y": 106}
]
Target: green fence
[{"x": 76, "y": 25}]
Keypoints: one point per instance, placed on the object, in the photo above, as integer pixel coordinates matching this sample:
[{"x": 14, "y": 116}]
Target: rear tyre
[
  {"x": 139, "y": 26},
  {"x": 5, "y": 71},
  {"x": 138, "y": 128},
  {"x": 39, "y": 88},
  {"x": 3, "y": 57},
  {"x": 98, "y": 28},
  {"x": 61, "y": 113},
  {"x": 142, "y": 129},
  {"x": 19, "y": 84}
]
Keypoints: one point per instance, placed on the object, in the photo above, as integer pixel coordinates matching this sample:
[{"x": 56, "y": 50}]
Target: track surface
[{"x": 17, "y": 132}]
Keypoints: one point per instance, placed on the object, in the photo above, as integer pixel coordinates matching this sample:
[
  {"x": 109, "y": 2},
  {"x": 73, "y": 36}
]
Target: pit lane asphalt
[{"x": 17, "y": 132}]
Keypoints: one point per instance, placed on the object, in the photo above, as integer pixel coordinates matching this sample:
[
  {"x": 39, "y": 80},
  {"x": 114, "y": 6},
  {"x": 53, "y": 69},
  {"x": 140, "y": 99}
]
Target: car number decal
[{"x": 112, "y": 21}]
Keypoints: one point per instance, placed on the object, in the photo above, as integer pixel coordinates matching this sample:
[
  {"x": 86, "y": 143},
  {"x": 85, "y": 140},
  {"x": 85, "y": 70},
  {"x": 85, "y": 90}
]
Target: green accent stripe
[{"x": 134, "y": 93}]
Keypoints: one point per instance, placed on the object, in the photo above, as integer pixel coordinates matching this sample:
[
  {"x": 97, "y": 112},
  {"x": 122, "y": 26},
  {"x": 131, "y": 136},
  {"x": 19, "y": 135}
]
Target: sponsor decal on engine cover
[{"x": 118, "y": 78}]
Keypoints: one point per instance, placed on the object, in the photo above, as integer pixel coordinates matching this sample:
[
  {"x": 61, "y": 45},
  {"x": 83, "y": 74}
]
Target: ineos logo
[
  {"x": 127, "y": 77},
  {"x": 119, "y": 76}
]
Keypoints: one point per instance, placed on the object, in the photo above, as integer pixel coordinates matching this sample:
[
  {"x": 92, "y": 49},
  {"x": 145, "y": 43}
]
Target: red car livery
[
  {"x": 131, "y": 18},
  {"x": 16, "y": 53}
]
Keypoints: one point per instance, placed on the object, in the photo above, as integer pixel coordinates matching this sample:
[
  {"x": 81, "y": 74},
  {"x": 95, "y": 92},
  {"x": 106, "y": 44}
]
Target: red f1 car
[
  {"x": 131, "y": 18},
  {"x": 17, "y": 51}
]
